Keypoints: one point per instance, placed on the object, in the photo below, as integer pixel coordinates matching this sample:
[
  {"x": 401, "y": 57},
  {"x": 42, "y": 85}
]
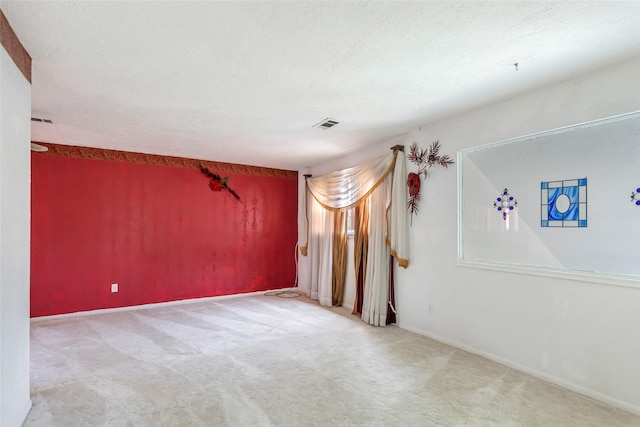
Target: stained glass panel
[{"x": 564, "y": 203}]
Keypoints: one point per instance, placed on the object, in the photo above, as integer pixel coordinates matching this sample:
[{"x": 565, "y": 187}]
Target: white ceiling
[{"x": 244, "y": 82}]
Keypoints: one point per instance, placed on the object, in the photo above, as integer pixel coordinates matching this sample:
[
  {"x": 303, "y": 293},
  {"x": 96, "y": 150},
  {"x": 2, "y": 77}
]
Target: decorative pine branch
[
  {"x": 445, "y": 161},
  {"x": 433, "y": 157},
  {"x": 424, "y": 159},
  {"x": 416, "y": 155},
  {"x": 412, "y": 204}
]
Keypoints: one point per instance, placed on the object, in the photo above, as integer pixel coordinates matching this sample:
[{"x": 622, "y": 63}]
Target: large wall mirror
[{"x": 562, "y": 201}]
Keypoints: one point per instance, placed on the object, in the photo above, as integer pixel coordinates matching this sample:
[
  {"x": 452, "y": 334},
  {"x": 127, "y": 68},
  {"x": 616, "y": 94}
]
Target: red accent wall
[{"x": 157, "y": 231}]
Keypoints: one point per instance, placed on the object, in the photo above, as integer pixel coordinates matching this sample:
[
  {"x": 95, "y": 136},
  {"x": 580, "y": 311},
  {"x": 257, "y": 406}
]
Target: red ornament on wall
[
  {"x": 215, "y": 185},
  {"x": 413, "y": 182}
]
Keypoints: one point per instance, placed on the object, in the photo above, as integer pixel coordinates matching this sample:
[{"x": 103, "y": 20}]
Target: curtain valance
[{"x": 345, "y": 188}]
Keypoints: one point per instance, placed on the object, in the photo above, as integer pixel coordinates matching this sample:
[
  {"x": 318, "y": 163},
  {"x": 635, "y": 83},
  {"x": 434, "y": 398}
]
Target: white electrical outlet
[
  {"x": 114, "y": 287},
  {"x": 430, "y": 308}
]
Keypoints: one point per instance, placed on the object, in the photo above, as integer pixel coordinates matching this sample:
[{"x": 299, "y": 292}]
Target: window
[{"x": 350, "y": 222}]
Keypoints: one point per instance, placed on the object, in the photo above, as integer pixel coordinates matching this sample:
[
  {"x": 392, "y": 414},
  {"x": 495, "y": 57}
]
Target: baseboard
[
  {"x": 25, "y": 412},
  {"x": 151, "y": 305},
  {"x": 534, "y": 373}
]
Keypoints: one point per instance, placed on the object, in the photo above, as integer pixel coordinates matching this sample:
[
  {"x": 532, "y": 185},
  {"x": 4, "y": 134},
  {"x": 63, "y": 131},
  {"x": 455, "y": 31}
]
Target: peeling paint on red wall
[{"x": 158, "y": 232}]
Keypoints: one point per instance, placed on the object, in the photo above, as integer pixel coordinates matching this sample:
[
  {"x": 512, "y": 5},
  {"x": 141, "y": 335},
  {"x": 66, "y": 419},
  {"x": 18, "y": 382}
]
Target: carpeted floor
[{"x": 267, "y": 361}]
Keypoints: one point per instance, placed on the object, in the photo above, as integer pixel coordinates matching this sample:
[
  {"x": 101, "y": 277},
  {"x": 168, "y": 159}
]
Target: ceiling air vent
[
  {"x": 36, "y": 119},
  {"x": 326, "y": 124}
]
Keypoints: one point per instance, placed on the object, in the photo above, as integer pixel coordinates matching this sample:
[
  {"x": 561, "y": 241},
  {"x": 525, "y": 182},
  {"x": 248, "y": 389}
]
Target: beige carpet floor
[{"x": 270, "y": 361}]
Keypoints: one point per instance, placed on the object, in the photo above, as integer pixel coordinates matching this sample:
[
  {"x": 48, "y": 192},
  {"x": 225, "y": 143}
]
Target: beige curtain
[
  {"x": 375, "y": 297},
  {"x": 397, "y": 220},
  {"x": 339, "y": 257},
  {"x": 320, "y": 253},
  {"x": 360, "y": 245},
  {"x": 382, "y": 232}
]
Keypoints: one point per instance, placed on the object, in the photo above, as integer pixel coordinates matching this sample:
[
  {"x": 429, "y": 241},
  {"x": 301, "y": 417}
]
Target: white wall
[
  {"x": 582, "y": 335},
  {"x": 15, "y": 164}
]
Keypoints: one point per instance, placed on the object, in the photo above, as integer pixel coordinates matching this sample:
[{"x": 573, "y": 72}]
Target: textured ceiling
[{"x": 244, "y": 82}]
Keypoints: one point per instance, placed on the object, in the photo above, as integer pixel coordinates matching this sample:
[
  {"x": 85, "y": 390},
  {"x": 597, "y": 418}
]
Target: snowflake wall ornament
[
  {"x": 505, "y": 203},
  {"x": 635, "y": 197}
]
